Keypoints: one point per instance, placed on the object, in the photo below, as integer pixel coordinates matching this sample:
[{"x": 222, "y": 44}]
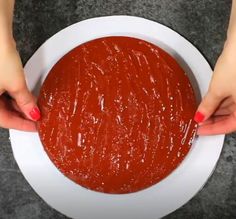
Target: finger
[
  {"x": 16, "y": 108},
  {"x": 227, "y": 102},
  {"x": 208, "y": 106},
  {"x": 214, "y": 119},
  {"x": 220, "y": 126},
  {"x": 12, "y": 120},
  {"x": 222, "y": 112},
  {"x": 26, "y": 102},
  {"x": 225, "y": 110},
  {"x": 18, "y": 123}
]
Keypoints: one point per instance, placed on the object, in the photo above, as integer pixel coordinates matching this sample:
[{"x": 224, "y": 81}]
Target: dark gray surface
[{"x": 202, "y": 22}]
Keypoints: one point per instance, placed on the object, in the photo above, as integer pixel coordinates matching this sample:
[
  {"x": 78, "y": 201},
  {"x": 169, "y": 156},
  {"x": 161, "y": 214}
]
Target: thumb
[
  {"x": 26, "y": 102},
  {"x": 208, "y": 106}
]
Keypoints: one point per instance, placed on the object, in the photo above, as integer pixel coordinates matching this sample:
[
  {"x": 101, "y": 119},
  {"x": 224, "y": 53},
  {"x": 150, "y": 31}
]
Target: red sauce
[{"x": 117, "y": 114}]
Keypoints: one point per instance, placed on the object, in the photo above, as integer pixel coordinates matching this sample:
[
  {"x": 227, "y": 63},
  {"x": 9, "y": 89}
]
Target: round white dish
[{"x": 152, "y": 203}]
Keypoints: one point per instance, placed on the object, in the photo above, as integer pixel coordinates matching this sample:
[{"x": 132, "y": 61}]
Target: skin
[
  {"x": 219, "y": 104},
  {"x": 218, "y": 107},
  {"x": 15, "y": 112}
]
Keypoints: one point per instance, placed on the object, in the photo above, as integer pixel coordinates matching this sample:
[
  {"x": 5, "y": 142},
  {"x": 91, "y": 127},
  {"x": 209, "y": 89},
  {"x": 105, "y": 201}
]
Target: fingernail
[
  {"x": 199, "y": 117},
  {"x": 35, "y": 114}
]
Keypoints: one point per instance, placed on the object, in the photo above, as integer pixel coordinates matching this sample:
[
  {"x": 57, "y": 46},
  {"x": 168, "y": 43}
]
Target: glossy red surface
[{"x": 117, "y": 114}]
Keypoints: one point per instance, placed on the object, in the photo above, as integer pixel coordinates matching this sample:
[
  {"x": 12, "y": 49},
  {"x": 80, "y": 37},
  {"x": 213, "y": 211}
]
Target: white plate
[{"x": 152, "y": 203}]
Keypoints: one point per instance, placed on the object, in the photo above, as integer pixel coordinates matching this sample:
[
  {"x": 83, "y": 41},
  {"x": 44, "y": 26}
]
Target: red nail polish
[
  {"x": 35, "y": 114},
  {"x": 199, "y": 117}
]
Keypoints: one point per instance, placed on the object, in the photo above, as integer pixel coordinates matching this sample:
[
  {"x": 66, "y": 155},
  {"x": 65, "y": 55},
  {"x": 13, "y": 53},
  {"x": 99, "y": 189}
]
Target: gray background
[{"x": 202, "y": 22}]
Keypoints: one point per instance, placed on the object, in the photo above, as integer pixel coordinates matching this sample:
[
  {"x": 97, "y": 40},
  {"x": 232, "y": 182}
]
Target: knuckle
[
  {"x": 24, "y": 100},
  {"x": 216, "y": 93},
  {"x": 17, "y": 88}
]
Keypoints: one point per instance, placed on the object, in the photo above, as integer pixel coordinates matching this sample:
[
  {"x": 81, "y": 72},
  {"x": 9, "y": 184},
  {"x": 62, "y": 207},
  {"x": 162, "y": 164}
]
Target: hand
[
  {"x": 217, "y": 112},
  {"x": 18, "y": 109}
]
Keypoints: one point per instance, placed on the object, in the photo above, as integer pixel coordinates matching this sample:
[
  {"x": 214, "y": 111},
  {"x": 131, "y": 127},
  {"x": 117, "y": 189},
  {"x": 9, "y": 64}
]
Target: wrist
[
  {"x": 231, "y": 39},
  {"x": 229, "y": 52}
]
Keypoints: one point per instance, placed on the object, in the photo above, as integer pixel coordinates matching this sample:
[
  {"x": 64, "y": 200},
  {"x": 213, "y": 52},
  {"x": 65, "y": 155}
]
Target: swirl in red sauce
[{"x": 117, "y": 114}]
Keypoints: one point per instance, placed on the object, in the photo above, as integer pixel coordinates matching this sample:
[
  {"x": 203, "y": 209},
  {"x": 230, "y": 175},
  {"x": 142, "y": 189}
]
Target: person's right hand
[
  {"x": 18, "y": 109},
  {"x": 217, "y": 111}
]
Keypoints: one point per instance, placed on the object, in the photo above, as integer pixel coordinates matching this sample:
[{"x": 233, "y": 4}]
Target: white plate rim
[{"x": 77, "y": 202}]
